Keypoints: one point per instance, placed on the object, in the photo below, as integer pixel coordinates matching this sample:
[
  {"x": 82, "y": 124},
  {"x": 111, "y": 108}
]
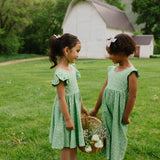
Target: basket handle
[{"x": 97, "y": 115}]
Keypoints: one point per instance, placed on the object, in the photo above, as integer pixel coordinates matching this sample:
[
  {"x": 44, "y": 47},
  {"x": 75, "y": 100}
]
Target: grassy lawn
[{"x": 26, "y": 99}]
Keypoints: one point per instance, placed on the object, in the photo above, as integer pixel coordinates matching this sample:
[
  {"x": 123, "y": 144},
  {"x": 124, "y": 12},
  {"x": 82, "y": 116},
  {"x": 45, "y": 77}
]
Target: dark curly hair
[
  {"x": 124, "y": 44},
  {"x": 57, "y": 44}
]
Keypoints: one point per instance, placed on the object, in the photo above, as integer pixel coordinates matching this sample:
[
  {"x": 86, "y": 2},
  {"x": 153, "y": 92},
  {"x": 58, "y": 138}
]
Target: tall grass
[{"x": 26, "y": 99}]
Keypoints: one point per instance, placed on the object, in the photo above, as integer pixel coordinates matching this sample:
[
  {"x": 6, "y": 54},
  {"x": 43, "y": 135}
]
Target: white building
[
  {"x": 93, "y": 22},
  {"x": 145, "y": 45}
]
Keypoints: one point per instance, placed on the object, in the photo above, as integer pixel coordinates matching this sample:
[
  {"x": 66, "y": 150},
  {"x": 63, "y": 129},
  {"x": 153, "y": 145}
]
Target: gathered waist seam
[
  {"x": 71, "y": 94},
  {"x": 123, "y": 90}
]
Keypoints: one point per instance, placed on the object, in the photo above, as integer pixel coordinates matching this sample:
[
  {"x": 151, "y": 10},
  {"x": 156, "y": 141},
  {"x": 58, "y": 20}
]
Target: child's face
[
  {"x": 74, "y": 53},
  {"x": 115, "y": 58}
]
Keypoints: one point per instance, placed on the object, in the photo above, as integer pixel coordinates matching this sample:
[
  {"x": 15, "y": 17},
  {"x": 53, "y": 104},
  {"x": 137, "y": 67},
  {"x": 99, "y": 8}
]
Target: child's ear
[
  {"x": 66, "y": 51},
  {"x": 107, "y": 49}
]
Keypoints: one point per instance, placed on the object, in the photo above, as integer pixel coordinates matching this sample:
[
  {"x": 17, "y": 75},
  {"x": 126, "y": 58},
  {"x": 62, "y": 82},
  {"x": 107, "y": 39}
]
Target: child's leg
[
  {"x": 65, "y": 154},
  {"x": 73, "y": 154}
]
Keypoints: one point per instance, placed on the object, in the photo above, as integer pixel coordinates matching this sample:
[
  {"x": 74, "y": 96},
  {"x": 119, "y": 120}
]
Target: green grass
[
  {"x": 26, "y": 99},
  {"x": 18, "y": 56}
]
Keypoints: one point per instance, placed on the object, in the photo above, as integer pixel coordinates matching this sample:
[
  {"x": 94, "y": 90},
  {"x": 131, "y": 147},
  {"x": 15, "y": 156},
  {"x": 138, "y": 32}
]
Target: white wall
[
  {"x": 85, "y": 22},
  {"x": 146, "y": 50},
  {"x": 112, "y": 32}
]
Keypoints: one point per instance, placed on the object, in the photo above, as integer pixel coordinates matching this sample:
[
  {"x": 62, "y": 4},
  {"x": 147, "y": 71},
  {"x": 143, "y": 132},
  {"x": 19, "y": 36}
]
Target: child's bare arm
[
  {"x": 99, "y": 101},
  {"x": 63, "y": 106},
  {"x": 132, "y": 97},
  {"x": 83, "y": 109}
]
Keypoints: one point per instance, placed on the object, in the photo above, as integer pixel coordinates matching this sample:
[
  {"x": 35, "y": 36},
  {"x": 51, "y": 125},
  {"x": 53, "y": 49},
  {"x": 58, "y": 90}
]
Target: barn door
[{"x": 136, "y": 54}]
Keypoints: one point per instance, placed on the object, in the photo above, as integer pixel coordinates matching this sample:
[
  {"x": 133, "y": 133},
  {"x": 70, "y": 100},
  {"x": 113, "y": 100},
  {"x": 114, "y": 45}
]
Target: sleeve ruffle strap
[
  {"x": 78, "y": 75},
  {"x": 137, "y": 73},
  {"x": 60, "y": 76},
  {"x": 134, "y": 70}
]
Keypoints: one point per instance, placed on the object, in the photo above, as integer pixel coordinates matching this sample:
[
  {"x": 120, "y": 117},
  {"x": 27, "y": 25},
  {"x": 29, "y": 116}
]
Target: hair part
[
  {"x": 124, "y": 44},
  {"x": 57, "y": 44}
]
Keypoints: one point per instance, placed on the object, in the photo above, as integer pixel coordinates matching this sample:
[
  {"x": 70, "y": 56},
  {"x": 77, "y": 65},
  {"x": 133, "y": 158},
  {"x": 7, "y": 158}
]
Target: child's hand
[
  {"x": 126, "y": 121},
  {"x": 93, "y": 112},
  {"x": 70, "y": 124},
  {"x": 84, "y": 111}
]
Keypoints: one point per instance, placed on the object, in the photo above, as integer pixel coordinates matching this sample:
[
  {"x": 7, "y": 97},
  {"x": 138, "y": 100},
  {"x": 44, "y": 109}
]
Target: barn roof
[
  {"x": 112, "y": 16},
  {"x": 143, "y": 39}
]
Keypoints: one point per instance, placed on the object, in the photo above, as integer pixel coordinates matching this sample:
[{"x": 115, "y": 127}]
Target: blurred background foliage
[{"x": 25, "y": 25}]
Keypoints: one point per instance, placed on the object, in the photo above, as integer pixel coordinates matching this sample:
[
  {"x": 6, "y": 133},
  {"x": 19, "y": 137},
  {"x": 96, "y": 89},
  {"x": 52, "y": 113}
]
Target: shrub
[
  {"x": 9, "y": 45},
  {"x": 157, "y": 48}
]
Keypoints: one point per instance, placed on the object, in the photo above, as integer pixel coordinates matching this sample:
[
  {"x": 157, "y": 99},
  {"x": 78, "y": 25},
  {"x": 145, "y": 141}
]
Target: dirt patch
[{"x": 21, "y": 60}]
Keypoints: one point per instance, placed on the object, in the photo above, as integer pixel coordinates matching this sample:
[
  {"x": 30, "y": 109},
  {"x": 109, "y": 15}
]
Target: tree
[
  {"x": 43, "y": 25},
  {"x": 148, "y": 11},
  {"x": 13, "y": 18},
  {"x": 60, "y": 11},
  {"x": 116, "y": 3},
  {"x": 48, "y": 17}
]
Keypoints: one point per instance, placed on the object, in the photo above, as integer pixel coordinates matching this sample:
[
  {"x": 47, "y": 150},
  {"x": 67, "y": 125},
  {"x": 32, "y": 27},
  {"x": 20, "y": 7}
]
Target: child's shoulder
[
  {"x": 63, "y": 68},
  {"x": 61, "y": 71},
  {"x": 111, "y": 68}
]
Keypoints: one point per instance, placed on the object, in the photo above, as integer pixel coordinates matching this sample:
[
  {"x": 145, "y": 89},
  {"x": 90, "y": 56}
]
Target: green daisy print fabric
[
  {"x": 60, "y": 136},
  {"x": 114, "y": 101}
]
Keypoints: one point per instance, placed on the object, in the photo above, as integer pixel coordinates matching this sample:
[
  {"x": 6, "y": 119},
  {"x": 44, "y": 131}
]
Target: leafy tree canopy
[
  {"x": 14, "y": 16},
  {"x": 148, "y": 11},
  {"x": 116, "y": 3},
  {"x": 60, "y": 11},
  {"x": 43, "y": 25}
]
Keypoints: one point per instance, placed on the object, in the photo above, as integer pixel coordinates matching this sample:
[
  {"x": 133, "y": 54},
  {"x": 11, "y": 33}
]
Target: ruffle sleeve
[
  {"x": 78, "y": 75},
  {"x": 60, "y": 75},
  {"x": 134, "y": 70}
]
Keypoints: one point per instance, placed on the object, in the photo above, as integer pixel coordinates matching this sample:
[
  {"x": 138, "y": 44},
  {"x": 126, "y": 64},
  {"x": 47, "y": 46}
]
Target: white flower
[
  {"x": 155, "y": 97},
  {"x": 9, "y": 82},
  {"x": 88, "y": 149},
  {"x": 99, "y": 144},
  {"x": 95, "y": 138}
]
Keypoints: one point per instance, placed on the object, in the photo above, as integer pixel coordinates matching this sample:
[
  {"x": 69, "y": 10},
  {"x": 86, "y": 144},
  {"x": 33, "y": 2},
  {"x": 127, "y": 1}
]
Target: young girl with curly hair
[{"x": 118, "y": 94}]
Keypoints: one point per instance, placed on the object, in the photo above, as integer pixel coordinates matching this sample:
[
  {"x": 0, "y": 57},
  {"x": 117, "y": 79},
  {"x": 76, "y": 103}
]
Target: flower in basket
[
  {"x": 88, "y": 148},
  {"x": 95, "y": 137},
  {"x": 99, "y": 144}
]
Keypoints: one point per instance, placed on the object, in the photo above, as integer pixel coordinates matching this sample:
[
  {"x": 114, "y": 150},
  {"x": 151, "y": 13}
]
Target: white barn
[{"x": 93, "y": 22}]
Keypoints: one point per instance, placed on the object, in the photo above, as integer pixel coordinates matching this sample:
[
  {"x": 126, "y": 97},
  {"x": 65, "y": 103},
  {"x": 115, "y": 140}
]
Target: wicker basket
[{"x": 87, "y": 122}]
